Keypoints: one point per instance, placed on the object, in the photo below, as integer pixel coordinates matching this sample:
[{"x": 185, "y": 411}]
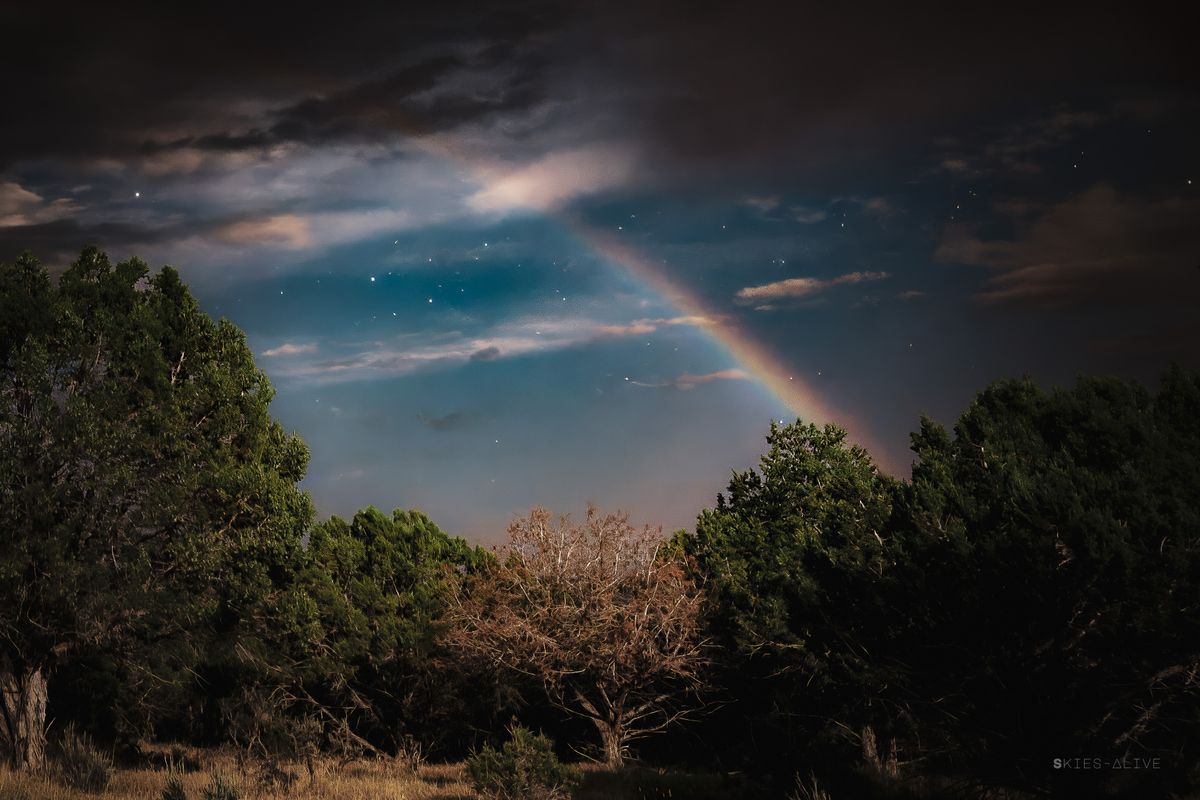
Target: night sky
[{"x": 493, "y": 255}]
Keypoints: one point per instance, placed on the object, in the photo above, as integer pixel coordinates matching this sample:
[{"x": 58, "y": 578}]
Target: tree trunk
[
  {"x": 612, "y": 741},
  {"x": 870, "y": 749},
  {"x": 23, "y": 718}
]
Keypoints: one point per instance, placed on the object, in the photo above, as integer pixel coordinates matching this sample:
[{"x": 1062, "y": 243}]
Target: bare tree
[{"x": 600, "y": 613}]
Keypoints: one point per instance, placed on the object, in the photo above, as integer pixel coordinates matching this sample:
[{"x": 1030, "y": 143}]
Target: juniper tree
[{"x": 139, "y": 469}]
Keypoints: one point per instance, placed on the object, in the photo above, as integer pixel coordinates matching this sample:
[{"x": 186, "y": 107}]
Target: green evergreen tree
[
  {"x": 351, "y": 645},
  {"x": 140, "y": 471},
  {"x": 798, "y": 560},
  {"x": 1060, "y": 581}
]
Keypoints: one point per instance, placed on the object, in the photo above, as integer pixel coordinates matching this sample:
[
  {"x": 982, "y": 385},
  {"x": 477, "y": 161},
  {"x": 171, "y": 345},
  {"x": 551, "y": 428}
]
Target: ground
[{"x": 365, "y": 780}]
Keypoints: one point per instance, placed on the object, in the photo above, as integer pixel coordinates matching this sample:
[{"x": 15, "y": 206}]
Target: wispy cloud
[
  {"x": 290, "y": 349},
  {"x": 20, "y": 206},
  {"x": 415, "y": 352},
  {"x": 792, "y": 289},
  {"x": 553, "y": 181},
  {"x": 764, "y": 204},
  {"x": 490, "y": 353},
  {"x": 808, "y": 216},
  {"x": 447, "y": 422},
  {"x": 689, "y": 381},
  {"x": 285, "y": 230},
  {"x": 878, "y": 206},
  {"x": 643, "y": 326}
]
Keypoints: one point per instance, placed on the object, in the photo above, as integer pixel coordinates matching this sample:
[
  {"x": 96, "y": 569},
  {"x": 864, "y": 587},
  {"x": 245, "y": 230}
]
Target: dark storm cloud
[
  {"x": 782, "y": 87},
  {"x": 402, "y": 103},
  {"x": 1096, "y": 247},
  {"x": 1018, "y": 147},
  {"x": 58, "y": 242},
  {"x": 97, "y": 81}
]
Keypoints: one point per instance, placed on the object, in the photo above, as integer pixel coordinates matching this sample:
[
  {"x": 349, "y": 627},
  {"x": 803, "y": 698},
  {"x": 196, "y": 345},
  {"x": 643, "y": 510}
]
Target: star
[
  {"x": 372, "y": 279},
  {"x": 137, "y": 194}
]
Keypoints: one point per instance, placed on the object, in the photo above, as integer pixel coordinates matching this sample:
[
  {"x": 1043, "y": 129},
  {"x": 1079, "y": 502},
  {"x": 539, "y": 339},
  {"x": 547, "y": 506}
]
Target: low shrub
[
  {"x": 174, "y": 790},
  {"x": 222, "y": 787},
  {"x": 81, "y": 764},
  {"x": 525, "y": 768},
  {"x": 808, "y": 789}
]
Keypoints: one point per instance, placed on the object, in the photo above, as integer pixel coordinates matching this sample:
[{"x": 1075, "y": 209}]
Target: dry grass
[
  {"x": 360, "y": 781},
  {"x": 365, "y": 780}
]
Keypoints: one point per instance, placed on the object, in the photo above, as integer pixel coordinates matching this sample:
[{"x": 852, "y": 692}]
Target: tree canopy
[
  {"x": 139, "y": 468},
  {"x": 797, "y": 558},
  {"x": 1031, "y": 593},
  {"x": 1060, "y": 574},
  {"x": 601, "y": 614}
]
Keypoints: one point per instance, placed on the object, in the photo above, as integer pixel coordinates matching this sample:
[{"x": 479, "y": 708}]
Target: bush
[
  {"x": 173, "y": 790},
  {"x": 222, "y": 787},
  {"x": 526, "y": 768},
  {"x": 81, "y": 764},
  {"x": 808, "y": 789}
]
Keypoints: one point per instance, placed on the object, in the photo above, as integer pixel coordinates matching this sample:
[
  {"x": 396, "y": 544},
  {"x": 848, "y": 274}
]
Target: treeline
[{"x": 1028, "y": 600}]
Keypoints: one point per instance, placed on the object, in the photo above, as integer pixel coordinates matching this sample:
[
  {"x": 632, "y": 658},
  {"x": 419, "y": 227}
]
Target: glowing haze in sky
[{"x": 493, "y": 255}]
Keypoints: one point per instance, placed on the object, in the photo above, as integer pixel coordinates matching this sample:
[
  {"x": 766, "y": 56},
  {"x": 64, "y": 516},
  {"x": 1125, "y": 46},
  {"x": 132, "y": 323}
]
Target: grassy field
[{"x": 367, "y": 780}]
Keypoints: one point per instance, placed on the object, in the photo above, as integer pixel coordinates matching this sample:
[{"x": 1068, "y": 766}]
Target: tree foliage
[
  {"x": 798, "y": 558},
  {"x": 139, "y": 467},
  {"x": 345, "y": 659},
  {"x": 1033, "y": 593},
  {"x": 364, "y": 615},
  {"x": 1060, "y": 575},
  {"x": 525, "y": 768}
]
